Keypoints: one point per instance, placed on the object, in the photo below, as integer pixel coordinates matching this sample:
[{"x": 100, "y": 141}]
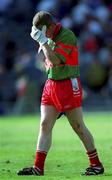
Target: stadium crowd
[{"x": 21, "y": 71}]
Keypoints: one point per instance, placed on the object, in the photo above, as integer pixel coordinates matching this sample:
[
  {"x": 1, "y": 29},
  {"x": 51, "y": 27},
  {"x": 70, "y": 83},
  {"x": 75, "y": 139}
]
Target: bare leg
[
  {"x": 75, "y": 118},
  {"x": 48, "y": 118}
]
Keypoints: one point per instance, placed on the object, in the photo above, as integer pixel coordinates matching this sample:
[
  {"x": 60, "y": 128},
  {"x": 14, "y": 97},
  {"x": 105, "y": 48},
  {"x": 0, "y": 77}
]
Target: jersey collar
[{"x": 56, "y": 30}]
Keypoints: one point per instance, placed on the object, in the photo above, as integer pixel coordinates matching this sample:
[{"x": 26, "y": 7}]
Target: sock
[
  {"x": 40, "y": 160},
  {"x": 93, "y": 158}
]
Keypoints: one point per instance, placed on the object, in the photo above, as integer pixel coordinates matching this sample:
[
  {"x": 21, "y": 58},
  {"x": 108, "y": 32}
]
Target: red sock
[
  {"x": 40, "y": 160},
  {"x": 93, "y": 158}
]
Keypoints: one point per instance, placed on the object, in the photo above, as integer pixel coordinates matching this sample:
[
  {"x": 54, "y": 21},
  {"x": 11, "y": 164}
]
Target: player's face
[{"x": 50, "y": 31}]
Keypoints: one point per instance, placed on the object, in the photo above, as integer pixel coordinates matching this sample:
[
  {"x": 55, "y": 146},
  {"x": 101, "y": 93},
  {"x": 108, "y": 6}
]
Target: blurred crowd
[{"x": 21, "y": 71}]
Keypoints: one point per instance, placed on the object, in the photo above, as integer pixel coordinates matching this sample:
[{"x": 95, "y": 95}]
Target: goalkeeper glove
[{"x": 39, "y": 36}]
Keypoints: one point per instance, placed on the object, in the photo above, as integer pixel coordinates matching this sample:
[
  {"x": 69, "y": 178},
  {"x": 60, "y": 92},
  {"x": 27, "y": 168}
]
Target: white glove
[{"x": 39, "y": 36}]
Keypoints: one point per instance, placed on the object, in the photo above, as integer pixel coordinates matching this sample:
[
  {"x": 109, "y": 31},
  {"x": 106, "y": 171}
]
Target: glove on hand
[{"x": 39, "y": 36}]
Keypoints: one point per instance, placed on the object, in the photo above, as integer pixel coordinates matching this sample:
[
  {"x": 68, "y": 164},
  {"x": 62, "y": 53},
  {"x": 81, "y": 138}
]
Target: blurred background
[{"x": 22, "y": 73}]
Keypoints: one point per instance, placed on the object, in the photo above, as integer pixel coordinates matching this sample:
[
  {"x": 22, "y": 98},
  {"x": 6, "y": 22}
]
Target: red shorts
[{"x": 64, "y": 94}]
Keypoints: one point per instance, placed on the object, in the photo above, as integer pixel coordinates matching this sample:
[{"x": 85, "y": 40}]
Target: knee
[
  {"x": 79, "y": 129},
  {"x": 45, "y": 126}
]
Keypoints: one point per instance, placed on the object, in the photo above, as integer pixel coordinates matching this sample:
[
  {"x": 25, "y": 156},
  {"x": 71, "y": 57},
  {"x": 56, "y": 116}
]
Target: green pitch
[{"x": 67, "y": 158}]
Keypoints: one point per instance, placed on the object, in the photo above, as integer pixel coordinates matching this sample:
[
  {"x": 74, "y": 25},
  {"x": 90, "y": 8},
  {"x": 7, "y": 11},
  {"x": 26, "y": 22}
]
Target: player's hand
[{"x": 39, "y": 35}]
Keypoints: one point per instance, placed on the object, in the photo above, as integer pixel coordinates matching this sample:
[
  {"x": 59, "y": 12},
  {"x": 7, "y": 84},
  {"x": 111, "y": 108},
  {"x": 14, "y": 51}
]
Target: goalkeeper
[{"x": 62, "y": 91}]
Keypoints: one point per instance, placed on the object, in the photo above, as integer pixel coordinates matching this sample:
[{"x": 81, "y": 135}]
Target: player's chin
[{"x": 48, "y": 35}]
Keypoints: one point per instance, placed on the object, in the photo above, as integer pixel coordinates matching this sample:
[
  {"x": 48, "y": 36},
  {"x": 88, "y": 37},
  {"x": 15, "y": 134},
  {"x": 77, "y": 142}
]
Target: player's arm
[
  {"x": 58, "y": 52},
  {"x": 50, "y": 54},
  {"x": 40, "y": 37},
  {"x": 56, "y": 55}
]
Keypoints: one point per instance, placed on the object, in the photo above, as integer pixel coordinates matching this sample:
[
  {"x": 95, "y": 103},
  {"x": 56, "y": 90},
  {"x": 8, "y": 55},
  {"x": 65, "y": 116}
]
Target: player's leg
[
  {"x": 75, "y": 118},
  {"x": 48, "y": 117}
]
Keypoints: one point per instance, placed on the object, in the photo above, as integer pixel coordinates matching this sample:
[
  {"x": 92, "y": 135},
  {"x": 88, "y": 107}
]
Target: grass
[{"x": 67, "y": 157}]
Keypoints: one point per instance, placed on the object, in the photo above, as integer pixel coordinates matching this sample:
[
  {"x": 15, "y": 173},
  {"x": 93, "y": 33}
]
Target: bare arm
[{"x": 50, "y": 54}]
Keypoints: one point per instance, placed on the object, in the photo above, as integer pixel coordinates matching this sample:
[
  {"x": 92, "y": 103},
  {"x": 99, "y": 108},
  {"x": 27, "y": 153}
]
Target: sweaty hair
[{"x": 42, "y": 18}]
